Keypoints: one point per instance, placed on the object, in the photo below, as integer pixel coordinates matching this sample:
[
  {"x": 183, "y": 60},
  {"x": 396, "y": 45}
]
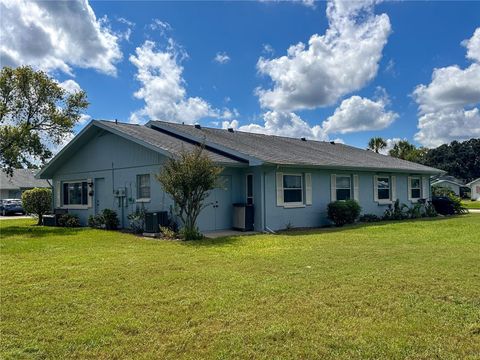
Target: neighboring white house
[
  {"x": 449, "y": 182},
  {"x": 474, "y": 189}
]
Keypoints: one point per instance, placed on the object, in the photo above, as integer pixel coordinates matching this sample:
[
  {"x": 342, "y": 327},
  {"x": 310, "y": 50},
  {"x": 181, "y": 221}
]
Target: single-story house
[
  {"x": 289, "y": 181},
  {"x": 12, "y": 187},
  {"x": 474, "y": 189}
]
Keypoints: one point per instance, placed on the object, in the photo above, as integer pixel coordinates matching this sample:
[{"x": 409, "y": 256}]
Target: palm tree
[{"x": 376, "y": 144}]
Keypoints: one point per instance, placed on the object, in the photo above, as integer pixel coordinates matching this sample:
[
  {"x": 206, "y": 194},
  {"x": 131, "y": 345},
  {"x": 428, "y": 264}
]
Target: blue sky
[{"x": 373, "y": 84}]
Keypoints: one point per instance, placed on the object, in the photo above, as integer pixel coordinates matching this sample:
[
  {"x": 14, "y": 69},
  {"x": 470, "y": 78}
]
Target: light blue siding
[
  {"x": 279, "y": 217},
  {"x": 118, "y": 162}
]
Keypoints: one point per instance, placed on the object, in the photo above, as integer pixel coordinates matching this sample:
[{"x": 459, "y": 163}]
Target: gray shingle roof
[
  {"x": 291, "y": 151},
  {"x": 21, "y": 179},
  {"x": 163, "y": 141}
]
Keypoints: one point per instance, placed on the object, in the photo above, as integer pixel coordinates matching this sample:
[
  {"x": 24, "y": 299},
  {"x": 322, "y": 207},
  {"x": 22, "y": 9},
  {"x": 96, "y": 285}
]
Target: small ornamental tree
[
  {"x": 188, "y": 179},
  {"x": 38, "y": 202}
]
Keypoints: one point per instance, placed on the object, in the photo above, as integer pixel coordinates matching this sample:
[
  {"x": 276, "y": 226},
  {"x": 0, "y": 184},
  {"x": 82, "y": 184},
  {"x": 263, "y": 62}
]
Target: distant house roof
[
  {"x": 472, "y": 182},
  {"x": 21, "y": 179},
  {"x": 449, "y": 178},
  {"x": 237, "y": 148}
]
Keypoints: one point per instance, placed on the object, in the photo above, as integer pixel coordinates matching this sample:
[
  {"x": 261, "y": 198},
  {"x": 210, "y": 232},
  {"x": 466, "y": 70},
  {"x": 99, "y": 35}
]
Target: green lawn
[
  {"x": 387, "y": 291},
  {"x": 469, "y": 204}
]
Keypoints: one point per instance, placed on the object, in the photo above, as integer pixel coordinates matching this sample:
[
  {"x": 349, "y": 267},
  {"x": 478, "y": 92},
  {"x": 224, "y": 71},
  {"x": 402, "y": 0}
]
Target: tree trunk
[{"x": 40, "y": 219}]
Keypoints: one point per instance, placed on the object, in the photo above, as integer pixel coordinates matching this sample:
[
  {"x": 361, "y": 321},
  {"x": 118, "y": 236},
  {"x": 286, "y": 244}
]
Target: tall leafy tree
[
  {"x": 406, "y": 151},
  {"x": 35, "y": 113},
  {"x": 376, "y": 144},
  {"x": 188, "y": 179},
  {"x": 459, "y": 159}
]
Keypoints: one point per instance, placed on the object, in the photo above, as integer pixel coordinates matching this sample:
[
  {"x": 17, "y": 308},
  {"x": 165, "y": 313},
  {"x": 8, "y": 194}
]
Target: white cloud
[
  {"x": 359, "y": 114},
  {"x": 473, "y": 46},
  {"x": 128, "y": 30},
  {"x": 163, "y": 87},
  {"x": 84, "y": 118},
  {"x": 70, "y": 86},
  {"x": 221, "y": 58},
  {"x": 230, "y": 124},
  {"x": 448, "y": 105},
  {"x": 268, "y": 49},
  {"x": 285, "y": 124},
  {"x": 451, "y": 87},
  {"x": 443, "y": 127},
  {"x": 56, "y": 36},
  {"x": 307, "y": 3},
  {"x": 332, "y": 65},
  {"x": 390, "y": 144},
  {"x": 161, "y": 26}
]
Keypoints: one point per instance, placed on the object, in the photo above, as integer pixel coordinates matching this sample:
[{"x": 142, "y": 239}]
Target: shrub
[
  {"x": 96, "y": 221},
  {"x": 191, "y": 234},
  {"x": 416, "y": 211},
  {"x": 430, "y": 210},
  {"x": 110, "y": 219},
  {"x": 369, "y": 218},
  {"x": 441, "y": 191},
  {"x": 343, "y": 212},
  {"x": 168, "y": 233},
  {"x": 69, "y": 220},
  {"x": 457, "y": 204},
  {"x": 396, "y": 212},
  {"x": 37, "y": 201},
  {"x": 137, "y": 221}
]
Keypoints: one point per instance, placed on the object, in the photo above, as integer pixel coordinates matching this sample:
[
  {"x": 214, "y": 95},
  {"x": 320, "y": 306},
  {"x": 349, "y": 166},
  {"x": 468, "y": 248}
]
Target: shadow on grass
[
  {"x": 330, "y": 229},
  {"x": 35, "y": 231}
]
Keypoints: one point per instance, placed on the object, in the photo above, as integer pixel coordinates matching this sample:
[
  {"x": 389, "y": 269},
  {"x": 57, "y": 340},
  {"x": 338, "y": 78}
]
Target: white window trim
[
  {"x": 75, "y": 206},
  {"x": 297, "y": 204},
  {"x": 384, "y": 201},
  {"x": 410, "y": 188},
  {"x": 143, "y": 200}
]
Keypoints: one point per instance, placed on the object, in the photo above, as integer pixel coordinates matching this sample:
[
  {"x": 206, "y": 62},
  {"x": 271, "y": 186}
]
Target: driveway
[{"x": 15, "y": 217}]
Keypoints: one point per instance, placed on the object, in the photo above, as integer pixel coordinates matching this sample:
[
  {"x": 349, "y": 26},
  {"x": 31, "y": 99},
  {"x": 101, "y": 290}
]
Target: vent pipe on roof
[
  {"x": 116, "y": 121},
  {"x": 332, "y": 142},
  {"x": 197, "y": 126},
  {"x": 230, "y": 130},
  {"x": 303, "y": 139}
]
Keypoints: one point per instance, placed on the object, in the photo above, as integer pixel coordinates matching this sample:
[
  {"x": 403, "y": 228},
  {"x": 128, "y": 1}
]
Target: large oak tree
[{"x": 36, "y": 113}]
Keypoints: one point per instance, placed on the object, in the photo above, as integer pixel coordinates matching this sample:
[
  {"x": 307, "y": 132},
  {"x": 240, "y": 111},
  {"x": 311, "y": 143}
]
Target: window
[
  {"x": 249, "y": 189},
  {"x": 383, "y": 188},
  {"x": 415, "y": 188},
  {"x": 343, "y": 187},
  {"x": 143, "y": 186},
  {"x": 292, "y": 189},
  {"x": 75, "y": 193}
]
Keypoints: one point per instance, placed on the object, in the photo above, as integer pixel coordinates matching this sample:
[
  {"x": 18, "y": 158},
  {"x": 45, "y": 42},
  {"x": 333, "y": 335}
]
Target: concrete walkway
[
  {"x": 474, "y": 211},
  {"x": 15, "y": 217},
  {"x": 223, "y": 233}
]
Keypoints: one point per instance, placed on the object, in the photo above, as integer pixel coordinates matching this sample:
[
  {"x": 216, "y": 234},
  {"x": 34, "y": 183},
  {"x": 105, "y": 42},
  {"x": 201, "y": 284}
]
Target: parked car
[
  {"x": 443, "y": 205},
  {"x": 11, "y": 206}
]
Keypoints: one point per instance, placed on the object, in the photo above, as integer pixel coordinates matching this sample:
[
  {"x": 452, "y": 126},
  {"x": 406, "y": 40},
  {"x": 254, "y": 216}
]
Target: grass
[
  {"x": 469, "y": 204},
  {"x": 387, "y": 290}
]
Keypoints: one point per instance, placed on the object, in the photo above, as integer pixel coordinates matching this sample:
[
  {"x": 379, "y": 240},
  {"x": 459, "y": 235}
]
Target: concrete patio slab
[{"x": 223, "y": 233}]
